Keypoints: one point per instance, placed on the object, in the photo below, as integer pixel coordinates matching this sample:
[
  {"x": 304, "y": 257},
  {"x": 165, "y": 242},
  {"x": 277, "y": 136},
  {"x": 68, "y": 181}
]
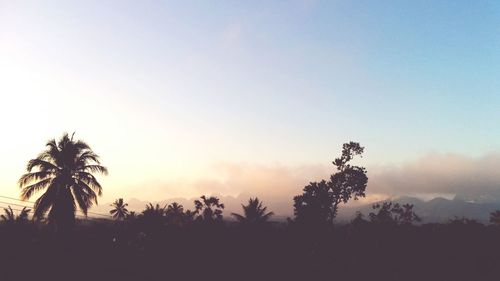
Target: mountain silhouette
[{"x": 436, "y": 210}]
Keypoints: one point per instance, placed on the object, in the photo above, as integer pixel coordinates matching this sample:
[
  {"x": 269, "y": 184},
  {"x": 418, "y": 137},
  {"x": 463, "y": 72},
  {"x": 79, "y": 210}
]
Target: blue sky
[{"x": 185, "y": 85}]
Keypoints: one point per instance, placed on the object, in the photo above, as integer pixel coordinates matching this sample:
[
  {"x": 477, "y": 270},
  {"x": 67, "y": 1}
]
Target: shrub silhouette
[
  {"x": 131, "y": 216},
  {"x": 463, "y": 221},
  {"x": 393, "y": 213},
  {"x": 495, "y": 218},
  {"x": 65, "y": 171},
  {"x": 10, "y": 218},
  {"x": 358, "y": 219}
]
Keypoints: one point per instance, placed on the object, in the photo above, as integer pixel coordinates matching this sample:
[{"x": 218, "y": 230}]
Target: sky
[{"x": 181, "y": 98}]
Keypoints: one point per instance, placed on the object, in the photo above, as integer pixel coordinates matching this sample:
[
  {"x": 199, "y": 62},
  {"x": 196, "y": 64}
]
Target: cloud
[
  {"x": 263, "y": 180},
  {"x": 474, "y": 177},
  {"x": 274, "y": 184},
  {"x": 437, "y": 174}
]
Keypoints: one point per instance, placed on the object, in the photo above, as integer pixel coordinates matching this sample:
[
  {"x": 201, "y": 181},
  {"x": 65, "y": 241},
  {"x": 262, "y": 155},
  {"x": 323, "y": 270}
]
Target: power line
[
  {"x": 20, "y": 210},
  {"x": 18, "y": 205},
  {"x": 15, "y": 209},
  {"x": 26, "y": 201},
  {"x": 16, "y": 199}
]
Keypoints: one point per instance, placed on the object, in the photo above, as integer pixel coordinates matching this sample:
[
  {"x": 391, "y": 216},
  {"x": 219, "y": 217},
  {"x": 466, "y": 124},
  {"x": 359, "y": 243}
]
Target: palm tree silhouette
[
  {"x": 175, "y": 213},
  {"x": 65, "y": 171},
  {"x": 253, "y": 213},
  {"x": 153, "y": 216},
  {"x": 175, "y": 208},
  {"x": 10, "y": 217},
  {"x": 153, "y": 210},
  {"x": 120, "y": 209}
]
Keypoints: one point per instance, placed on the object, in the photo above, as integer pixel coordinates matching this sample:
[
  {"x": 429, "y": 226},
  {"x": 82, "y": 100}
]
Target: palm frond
[
  {"x": 42, "y": 164},
  {"x": 45, "y": 202},
  {"x": 53, "y": 151},
  {"x": 91, "y": 181},
  {"x": 95, "y": 169},
  {"x": 87, "y": 192},
  {"x": 86, "y": 157},
  {"x": 28, "y": 191},
  {"x": 81, "y": 145},
  {"x": 34, "y": 176},
  {"x": 85, "y": 197},
  {"x": 267, "y": 216},
  {"x": 63, "y": 141},
  {"x": 238, "y": 217},
  {"x": 23, "y": 215},
  {"x": 45, "y": 155},
  {"x": 52, "y": 144},
  {"x": 9, "y": 214}
]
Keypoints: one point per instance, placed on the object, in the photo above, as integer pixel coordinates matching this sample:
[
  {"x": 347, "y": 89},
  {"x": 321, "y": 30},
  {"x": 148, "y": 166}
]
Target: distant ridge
[{"x": 435, "y": 210}]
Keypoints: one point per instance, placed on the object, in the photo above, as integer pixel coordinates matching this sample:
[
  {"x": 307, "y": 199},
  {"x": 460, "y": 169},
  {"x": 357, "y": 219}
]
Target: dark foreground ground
[{"x": 109, "y": 251}]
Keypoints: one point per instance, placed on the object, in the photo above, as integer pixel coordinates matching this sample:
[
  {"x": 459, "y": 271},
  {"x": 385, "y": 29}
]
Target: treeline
[
  {"x": 209, "y": 210},
  {"x": 173, "y": 243},
  {"x": 66, "y": 172},
  {"x": 147, "y": 247}
]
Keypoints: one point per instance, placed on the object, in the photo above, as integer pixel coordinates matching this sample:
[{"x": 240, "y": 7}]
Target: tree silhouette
[
  {"x": 358, "y": 219},
  {"x": 320, "y": 200},
  {"x": 119, "y": 210},
  {"x": 463, "y": 221},
  {"x": 495, "y": 218},
  {"x": 153, "y": 215},
  {"x": 153, "y": 211},
  {"x": 253, "y": 213},
  {"x": 65, "y": 171},
  {"x": 394, "y": 213},
  {"x": 175, "y": 209},
  {"x": 10, "y": 217},
  {"x": 208, "y": 209},
  {"x": 175, "y": 214},
  {"x": 131, "y": 216}
]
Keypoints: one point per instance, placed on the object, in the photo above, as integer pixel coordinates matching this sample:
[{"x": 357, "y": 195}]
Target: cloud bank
[
  {"x": 447, "y": 175},
  {"x": 469, "y": 177}
]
